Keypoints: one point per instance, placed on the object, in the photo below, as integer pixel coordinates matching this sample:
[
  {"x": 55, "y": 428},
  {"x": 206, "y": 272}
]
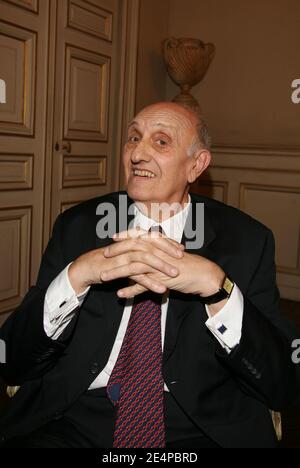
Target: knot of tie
[{"x": 156, "y": 228}]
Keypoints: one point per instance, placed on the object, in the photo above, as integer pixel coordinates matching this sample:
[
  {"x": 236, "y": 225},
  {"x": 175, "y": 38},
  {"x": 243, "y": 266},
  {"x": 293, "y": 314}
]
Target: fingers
[
  {"x": 170, "y": 247},
  {"x": 138, "y": 232},
  {"x": 131, "y": 291},
  {"x": 129, "y": 234},
  {"x": 143, "y": 283},
  {"x": 145, "y": 243},
  {"x": 139, "y": 263}
]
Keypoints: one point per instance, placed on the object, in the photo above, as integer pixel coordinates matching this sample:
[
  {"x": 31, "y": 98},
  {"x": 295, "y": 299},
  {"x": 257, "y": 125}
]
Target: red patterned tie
[{"x": 136, "y": 384}]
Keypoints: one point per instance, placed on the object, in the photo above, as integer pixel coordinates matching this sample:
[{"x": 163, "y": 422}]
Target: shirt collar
[{"x": 173, "y": 227}]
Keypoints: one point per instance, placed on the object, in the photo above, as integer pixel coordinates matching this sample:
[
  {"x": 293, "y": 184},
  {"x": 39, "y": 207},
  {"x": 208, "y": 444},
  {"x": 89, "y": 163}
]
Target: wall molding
[
  {"x": 265, "y": 183},
  {"x": 235, "y": 157}
]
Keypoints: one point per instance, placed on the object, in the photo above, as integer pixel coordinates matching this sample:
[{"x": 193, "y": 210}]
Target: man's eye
[
  {"x": 161, "y": 142},
  {"x": 133, "y": 138}
]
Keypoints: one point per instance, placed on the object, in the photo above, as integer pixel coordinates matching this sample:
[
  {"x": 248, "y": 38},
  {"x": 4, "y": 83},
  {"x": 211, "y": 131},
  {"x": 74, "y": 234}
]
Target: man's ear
[{"x": 199, "y": 163}]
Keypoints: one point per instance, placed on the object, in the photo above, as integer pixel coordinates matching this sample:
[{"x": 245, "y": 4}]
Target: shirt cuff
[
  {"x": 60, "y": 301},
  {"x": 227, "y": 324}
]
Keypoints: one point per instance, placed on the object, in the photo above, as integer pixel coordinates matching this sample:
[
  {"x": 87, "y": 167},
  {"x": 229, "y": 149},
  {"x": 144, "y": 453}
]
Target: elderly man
[{"x": 148, "y": 338}]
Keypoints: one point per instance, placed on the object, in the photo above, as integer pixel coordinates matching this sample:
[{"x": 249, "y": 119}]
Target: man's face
[{"x": 156, "y": 157}]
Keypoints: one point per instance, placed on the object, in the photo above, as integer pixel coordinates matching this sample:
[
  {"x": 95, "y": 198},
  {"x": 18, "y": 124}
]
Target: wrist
[
  {"x": 222, "y": 294},
  {"x": 214, "y": 284},
  {"x": 214, "y": 309},
  {"x": 75, "y": 279}
]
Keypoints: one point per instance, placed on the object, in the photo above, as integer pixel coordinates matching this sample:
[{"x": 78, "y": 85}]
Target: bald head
[
  {"x": 188, "y": 118},
  {"x": 164, "y": 154}
]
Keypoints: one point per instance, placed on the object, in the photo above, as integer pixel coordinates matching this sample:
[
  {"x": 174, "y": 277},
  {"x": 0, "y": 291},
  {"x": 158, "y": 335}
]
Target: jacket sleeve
[
  {"x": 262, "y": 362},
  {"x": 30, "y": 353}
]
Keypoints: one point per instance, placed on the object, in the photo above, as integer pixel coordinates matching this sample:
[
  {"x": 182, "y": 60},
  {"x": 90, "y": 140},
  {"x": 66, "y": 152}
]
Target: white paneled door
[
  {"x": 67, "y": 74},
  {"x": 87, "y": 91}
]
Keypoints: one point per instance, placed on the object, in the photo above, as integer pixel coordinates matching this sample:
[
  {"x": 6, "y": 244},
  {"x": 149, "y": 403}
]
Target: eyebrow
[{"x": 134, "y": 123}]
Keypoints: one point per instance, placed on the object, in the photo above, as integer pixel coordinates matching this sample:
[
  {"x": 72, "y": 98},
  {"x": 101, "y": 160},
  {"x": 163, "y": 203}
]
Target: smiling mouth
[{"x": 144, "y": 174}]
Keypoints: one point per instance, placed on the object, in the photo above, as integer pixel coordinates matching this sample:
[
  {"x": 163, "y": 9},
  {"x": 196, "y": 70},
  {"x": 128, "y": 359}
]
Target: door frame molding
[{"x": 130, "y": 28}]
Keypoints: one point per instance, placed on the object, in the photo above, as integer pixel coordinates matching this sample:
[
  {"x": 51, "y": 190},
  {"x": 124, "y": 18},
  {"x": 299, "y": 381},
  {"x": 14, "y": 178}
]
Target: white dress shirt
[{"x": 61, "y": 302}]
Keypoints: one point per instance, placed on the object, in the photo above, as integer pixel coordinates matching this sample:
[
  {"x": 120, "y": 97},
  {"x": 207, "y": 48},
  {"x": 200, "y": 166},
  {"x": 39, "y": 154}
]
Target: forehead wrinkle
[
  {"x": 170, "y": 119},
  {"x": 157, "y": 124},
  {"x": 165, "y": 118}
]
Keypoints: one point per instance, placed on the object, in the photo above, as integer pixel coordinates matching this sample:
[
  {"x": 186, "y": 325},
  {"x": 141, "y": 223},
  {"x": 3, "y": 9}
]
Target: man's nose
[{"x": 140, "y": 153}]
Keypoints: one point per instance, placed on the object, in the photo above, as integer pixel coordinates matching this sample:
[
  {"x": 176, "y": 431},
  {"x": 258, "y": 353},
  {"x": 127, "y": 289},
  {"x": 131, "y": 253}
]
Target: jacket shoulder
[
  {"x": 224, "y": 216},
  {"x": 89, "y": 207}
]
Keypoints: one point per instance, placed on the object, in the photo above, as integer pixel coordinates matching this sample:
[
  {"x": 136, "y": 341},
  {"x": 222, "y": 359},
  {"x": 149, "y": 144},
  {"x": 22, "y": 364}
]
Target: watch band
[{"x": 223, "y": 293}]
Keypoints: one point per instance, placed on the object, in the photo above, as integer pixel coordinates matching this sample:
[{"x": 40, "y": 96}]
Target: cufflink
[{"x": 222, "y": 329}]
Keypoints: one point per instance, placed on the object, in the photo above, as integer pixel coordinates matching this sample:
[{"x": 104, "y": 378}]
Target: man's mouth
[{"x": 143, "y": 173}]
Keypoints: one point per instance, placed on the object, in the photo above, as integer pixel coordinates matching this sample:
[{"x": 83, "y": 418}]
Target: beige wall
[
  {"x": 151, "y": 73},
  {"x": 246, "y": 98},
  {"x": 246, "y": 94}
]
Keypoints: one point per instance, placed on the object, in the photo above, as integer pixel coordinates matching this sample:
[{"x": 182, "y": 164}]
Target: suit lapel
[
  {"x": 120, "y": 217},
  {"x": 181, "y": 304}
]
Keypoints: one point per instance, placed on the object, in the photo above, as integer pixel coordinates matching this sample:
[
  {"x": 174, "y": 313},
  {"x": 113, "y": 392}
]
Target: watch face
[{"x": 228, "y": 286}]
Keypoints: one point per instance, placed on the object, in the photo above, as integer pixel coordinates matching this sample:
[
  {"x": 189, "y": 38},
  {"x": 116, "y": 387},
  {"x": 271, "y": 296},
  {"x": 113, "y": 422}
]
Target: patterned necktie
[{"x": 136, "y": 385}]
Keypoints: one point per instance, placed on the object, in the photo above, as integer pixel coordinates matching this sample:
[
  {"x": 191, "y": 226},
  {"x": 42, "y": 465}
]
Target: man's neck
[{"x": 160, "y": 211}]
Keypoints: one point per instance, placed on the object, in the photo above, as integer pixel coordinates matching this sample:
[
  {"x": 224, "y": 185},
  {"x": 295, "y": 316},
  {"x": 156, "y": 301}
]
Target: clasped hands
[{"x": 151, "y": 261}]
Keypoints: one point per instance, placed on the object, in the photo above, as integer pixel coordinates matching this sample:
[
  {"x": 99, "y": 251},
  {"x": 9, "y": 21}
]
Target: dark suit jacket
[{"x": 227, "y": 396}]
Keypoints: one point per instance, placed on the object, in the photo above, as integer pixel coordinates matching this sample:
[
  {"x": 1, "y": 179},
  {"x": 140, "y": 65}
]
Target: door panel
[
  {"x": 91, "y": 19},
  {"x": 23, "y": 67},
  {"x": 31, "y": 5},
  {"x": 69, "y": 73},
  {"x": 17, "y": 69},
  {"x": 87, "y": 83},
  {"x": 86, "y": 113}
]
